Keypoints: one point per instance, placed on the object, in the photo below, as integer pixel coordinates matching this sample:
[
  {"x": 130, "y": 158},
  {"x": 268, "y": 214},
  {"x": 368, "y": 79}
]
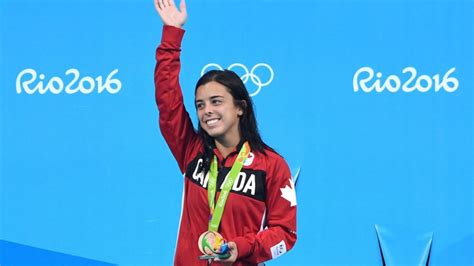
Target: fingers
[
  {"x": 182, "y": 7},
  {"x": 162, "y": 4},
  {"x": 157, "y": 5}
]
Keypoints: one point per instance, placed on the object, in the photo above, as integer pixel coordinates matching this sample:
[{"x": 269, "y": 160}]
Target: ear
[{"x": 242, "y": 108}]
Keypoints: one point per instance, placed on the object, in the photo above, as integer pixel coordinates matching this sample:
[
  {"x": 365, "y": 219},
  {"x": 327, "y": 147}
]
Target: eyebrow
[{"x": 211, "y": 98}]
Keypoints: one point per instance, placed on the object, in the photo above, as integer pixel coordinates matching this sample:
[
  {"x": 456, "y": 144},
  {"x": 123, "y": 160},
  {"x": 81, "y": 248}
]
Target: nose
[{"x": 208, "y": 109}]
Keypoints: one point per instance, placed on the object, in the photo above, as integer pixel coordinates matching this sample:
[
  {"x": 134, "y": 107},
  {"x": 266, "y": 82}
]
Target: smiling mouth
[{"x": 212, "y": 122}]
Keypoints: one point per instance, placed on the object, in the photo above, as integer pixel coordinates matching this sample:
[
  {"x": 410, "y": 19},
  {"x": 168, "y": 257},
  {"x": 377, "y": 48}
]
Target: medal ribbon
[{"x": 217, "y": 210}]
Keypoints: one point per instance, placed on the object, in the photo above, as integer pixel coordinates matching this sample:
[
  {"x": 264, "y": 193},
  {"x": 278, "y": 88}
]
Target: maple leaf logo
[{"x": 288, "y": 193}]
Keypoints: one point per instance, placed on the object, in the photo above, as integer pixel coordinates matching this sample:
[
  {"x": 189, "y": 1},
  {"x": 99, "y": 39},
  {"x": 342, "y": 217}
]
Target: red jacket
[{"x": 260, "y": 213}]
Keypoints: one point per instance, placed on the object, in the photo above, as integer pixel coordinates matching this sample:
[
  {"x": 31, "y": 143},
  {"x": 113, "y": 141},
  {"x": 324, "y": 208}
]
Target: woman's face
[{"x": 217, "y": 113}]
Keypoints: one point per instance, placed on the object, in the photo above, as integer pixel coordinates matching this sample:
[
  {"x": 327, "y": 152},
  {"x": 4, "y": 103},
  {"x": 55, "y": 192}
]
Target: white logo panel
[
  {"x": 278, "y": 250},
  {"x": 249, "y": 159}
]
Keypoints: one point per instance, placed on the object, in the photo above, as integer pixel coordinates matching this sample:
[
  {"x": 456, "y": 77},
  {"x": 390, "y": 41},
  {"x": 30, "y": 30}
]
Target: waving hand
[{"x": 169, "y": 13}]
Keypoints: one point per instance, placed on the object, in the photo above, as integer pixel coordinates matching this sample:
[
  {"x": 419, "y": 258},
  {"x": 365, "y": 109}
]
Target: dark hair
[{"x": 247, "y": 122}]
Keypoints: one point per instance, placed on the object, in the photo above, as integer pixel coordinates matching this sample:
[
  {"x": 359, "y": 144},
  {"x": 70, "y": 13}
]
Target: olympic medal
[{"x": 213, "y": 244}]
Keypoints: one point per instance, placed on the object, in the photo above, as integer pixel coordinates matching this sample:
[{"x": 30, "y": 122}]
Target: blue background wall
[{"x": 90, "y": 175}]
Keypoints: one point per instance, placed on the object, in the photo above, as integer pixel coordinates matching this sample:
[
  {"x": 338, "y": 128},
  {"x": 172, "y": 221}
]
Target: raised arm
[{"x": 175, "y": 123}]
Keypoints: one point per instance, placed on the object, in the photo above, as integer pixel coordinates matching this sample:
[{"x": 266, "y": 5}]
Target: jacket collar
[{"x": 235, "y": 150}]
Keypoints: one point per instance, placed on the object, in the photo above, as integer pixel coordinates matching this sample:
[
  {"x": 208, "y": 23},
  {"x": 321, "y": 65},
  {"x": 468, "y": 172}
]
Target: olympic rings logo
[{"x": 247, "y": 74}]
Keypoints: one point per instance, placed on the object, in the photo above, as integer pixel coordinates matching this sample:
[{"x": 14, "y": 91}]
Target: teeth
[{"x": 211, "y": 122}]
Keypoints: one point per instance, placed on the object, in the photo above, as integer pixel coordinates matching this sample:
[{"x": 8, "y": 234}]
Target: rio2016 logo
[
  {"x": 393, "y": 83},
  {"x": 85, "y": 85}
]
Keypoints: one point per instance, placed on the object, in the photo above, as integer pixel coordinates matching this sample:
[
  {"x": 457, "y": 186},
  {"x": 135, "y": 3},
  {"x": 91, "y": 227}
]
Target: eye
[
  {"x": 216, "y": 102},
  {"x": 199, "y": 106}
]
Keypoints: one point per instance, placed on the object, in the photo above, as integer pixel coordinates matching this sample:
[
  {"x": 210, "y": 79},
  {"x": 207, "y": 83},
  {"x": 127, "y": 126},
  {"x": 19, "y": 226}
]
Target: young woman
[{"x": 234, "y": 183}]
